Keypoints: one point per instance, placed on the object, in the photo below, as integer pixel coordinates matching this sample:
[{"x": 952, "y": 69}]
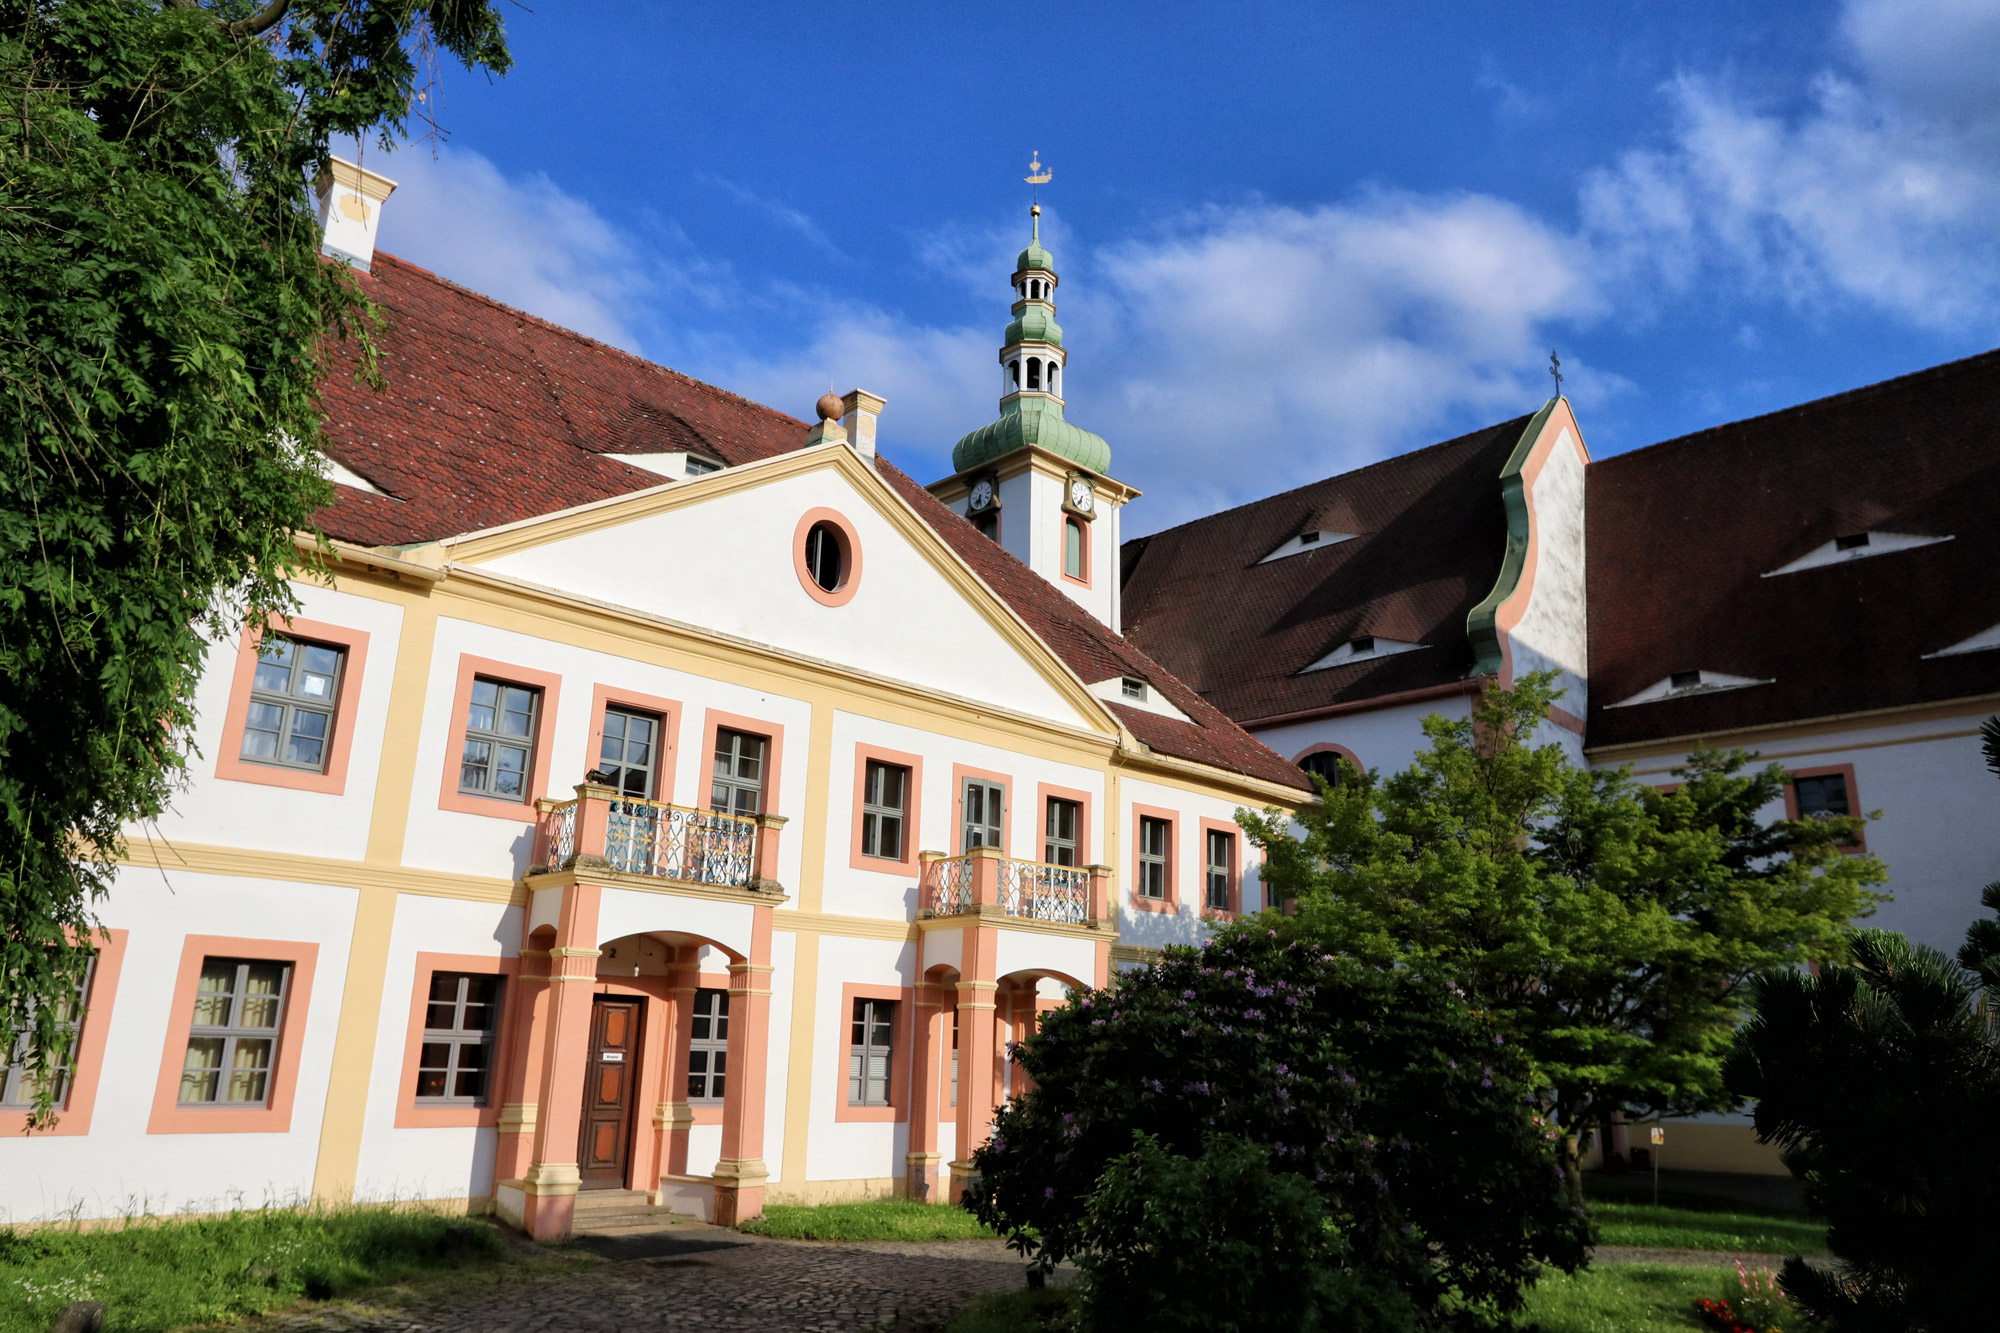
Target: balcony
[
  {"x": 602, "y": 830},
  {"x": 983, "y": 882}
]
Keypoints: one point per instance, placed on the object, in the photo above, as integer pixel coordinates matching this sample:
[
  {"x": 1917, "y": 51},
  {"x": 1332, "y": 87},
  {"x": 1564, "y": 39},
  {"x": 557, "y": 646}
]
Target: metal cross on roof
[{"x": 1556, "y": 369}]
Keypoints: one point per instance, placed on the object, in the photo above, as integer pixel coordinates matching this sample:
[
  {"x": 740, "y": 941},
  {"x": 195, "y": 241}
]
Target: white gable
[
  {"x": 1364, "y": 649},
  {"x": 1316, "y": 540},
  {"x": 726, "y": 563},
  {"x": 1683, "y": 683},
  {"x": 1986, "y": 640}
]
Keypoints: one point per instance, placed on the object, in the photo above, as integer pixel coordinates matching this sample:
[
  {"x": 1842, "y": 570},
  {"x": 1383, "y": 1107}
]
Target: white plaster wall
[
  {"x": 704, "y": 1149},
  {"x": 851, "y": 1150},
  {"x": 1553, "y": 631},
  {"x": 892, "y": 894},
  {"x": 1026, "y": 951},
  {"x": 432, "y": 1163},
  {"x": 1154, "y": 929},
  {"x": 214, "y": 810},
  {"x": 623, "y": 912},
  {"x": 476, "y": 844},
  {"x": 1940, "y": 828},
  {"x": 1383, "y": 738},
  {"x": 727, "y": 565},
  {"x": 118, "y": 1166}
]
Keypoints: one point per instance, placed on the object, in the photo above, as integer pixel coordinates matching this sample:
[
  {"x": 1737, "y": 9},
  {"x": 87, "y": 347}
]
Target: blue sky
[{"x": 1293, "y": 238}]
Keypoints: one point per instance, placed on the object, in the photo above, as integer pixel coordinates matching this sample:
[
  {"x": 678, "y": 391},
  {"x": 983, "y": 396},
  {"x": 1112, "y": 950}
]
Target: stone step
[{"x": 601, "y": 1201}]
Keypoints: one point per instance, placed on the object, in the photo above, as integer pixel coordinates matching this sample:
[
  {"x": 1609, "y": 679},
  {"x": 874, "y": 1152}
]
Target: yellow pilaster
[{"x": 339, "y": 1158}]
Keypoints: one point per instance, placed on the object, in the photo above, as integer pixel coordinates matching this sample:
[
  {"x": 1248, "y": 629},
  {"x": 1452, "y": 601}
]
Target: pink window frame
[
  {"x": 667, "y": 754},
  {"x": 231, "y": 766},
  {"x": 1171, "y": 903},
  {"x": 496, "y": 807},
  {"x": 410, "y": 1115},
  {"x": 87, "y": 1061},
  {"x": 859, "y": 860},
  {"x": 275, "y": 1116}
]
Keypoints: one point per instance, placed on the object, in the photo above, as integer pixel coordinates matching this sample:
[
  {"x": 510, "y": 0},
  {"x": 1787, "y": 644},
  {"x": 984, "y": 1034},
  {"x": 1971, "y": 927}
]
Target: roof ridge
[
  {"x": 1895, "y": 382},
  {"x": 704, "y": 385},
  {"x": 1340, "y": 476}
]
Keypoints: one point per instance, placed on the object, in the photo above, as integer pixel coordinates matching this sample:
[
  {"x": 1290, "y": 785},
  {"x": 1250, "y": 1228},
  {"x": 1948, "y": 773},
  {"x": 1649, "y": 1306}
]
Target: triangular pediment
[{"x": 724, "y": 554}]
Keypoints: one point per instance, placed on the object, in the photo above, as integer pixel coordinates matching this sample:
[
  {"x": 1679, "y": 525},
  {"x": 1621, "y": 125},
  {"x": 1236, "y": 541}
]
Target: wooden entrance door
[{"x": 606, "y": 1145}]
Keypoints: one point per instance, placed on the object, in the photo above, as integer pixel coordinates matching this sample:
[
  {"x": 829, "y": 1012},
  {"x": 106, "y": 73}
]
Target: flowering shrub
[
  {"x": 1221, "y": 1243},
  {"x": 1761, "y": 1305},
  {"x": 1382, "y": 1093}
]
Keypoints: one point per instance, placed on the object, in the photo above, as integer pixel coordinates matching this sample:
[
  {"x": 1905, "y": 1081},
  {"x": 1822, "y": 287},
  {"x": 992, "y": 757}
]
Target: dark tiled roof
[
  {"x": 490, "y": 416},
  {"x": 1681, "y": 533},
  {"x": 1430, "y": 533}
]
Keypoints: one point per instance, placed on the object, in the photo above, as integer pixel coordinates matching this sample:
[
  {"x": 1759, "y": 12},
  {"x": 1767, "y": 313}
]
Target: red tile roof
[
  {"x": 490, "y": 416},
  {"x": 1429, "y": 530},
  {"x": 1681, "y": 534}
]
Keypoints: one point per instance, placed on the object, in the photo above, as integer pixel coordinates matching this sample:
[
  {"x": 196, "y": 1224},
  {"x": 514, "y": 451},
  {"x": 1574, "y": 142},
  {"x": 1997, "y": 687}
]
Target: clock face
[
  {"x": 1079, "y": 493},
  {"x": 982, "y": 493}
]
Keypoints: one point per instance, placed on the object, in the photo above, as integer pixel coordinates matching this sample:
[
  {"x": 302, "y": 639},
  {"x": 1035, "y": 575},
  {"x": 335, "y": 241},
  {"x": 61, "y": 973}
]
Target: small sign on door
[
  {"x": 1658, "y": 1136},
  {"x": 618, "y": 1057}
]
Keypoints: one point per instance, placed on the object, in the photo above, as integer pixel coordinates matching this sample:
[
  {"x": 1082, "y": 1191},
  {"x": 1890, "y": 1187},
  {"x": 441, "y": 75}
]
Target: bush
[
  {"x": 1881, "y": 1080},
  {"x": 1221, "y": 1243},
  {"x": 1400, "y": 1109}
]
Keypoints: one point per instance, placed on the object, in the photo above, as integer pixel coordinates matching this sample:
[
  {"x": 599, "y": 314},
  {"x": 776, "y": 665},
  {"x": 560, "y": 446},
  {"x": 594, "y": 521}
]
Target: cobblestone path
[{"x": 710, "y": 1279}]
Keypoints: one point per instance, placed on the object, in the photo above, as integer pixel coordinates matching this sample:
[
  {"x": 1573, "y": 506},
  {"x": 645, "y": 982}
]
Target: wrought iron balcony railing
[
  {"x": 1027, "y": 890},
  {"x": 661, "y": 841}
]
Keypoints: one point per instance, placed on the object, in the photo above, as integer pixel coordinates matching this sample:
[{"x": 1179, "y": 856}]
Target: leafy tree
[
  {"x": 165, "y": 319},
  {"x": 1881, "y": 1081},
  {"x": 1381, "y": 1093},
  {"x": 1609, "y": 928}
]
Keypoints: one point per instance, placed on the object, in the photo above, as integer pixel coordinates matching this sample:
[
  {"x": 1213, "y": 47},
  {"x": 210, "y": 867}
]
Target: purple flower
[
  {"x": 1451, "y": 1064},
  {"x": 1283, "y": 1069},
  {"x": 1049, "y": 1193}
]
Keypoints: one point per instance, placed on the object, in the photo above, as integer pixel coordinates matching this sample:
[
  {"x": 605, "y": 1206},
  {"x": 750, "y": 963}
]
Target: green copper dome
[
  {"x": 1035, "y": 324},
  {"x": 1035, "y": 257},
  {"x": 1032, "y": 421}
]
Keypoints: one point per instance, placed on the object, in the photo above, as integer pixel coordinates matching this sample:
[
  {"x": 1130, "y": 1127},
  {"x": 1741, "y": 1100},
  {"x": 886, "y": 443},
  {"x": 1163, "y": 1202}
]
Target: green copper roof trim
[
  {"x": 1037, "y": 421},
  {"x": 1482, "y": 623}
]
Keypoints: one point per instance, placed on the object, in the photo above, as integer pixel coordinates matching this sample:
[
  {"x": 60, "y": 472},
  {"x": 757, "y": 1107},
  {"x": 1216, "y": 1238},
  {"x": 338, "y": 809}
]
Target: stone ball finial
[{"x": 829, "y": 407}]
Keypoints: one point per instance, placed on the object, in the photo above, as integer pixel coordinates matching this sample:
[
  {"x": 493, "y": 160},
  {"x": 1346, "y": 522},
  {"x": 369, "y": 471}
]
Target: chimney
[
  {"x": 350, "y": 209},
  {"x": 858, "y": 410}
]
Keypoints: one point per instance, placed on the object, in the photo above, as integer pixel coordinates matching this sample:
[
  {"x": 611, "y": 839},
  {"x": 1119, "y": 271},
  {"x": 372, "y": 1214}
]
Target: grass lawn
[
  {"x": 1689, "y": 1229},
  {"x": 1625, "y": 1298},
  {"x": 168, "y": 1274},
  {"x": 1011, "y": 1312},
  {"x": 884, "y": 1219}
]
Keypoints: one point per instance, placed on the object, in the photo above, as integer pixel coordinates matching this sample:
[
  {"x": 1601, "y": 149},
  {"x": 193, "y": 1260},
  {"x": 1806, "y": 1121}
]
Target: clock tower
[{"x": 1031, "y": 480}]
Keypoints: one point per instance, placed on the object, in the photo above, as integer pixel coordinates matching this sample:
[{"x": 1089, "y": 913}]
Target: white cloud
[
  {"x": 1881, "y": 193},
  {"x": 523, "y": 241},
  {"x": 1231, "y": 352}
]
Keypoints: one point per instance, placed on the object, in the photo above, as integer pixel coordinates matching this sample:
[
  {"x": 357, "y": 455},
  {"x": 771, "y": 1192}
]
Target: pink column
[
  {"x": 551, "y": 1180},
  {"x": 684, "y": 979},
  {"x": 769, "y": 827},
  {"x": 649, "y": 1149},
  {"x": 740, "y": 1175},
  {"x": 519, "y": 1084},
  {"x": 976, "y": 1016},
  {"x": 932, "y": 1042},
  {"x": 1101, "y": 909}
]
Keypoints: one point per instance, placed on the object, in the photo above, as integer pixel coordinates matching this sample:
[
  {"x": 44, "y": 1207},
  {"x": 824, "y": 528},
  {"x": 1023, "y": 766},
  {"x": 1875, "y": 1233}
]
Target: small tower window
[
  {"x": 1072, "y": 546},
  {"x": 1014, "y": 368},
  {"x": 1034, "y": 372},
  {"x": 1054, "y": 370}
]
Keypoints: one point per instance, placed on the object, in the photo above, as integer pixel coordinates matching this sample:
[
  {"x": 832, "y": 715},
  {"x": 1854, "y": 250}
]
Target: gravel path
[{"x": 711, "y": 1279}]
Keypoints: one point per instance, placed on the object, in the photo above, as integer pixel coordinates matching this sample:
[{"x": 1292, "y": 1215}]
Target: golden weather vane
[{"x": 1037, "y": 173}]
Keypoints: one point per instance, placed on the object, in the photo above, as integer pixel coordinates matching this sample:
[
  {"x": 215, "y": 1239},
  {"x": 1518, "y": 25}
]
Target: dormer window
[
  {"x": 1853, "y": 541},
  {"x": 1857, "y": 546},
  {"x": 1132, "y": 688},
  {"x": 1684, "y": 680},
  {"x": 1362, "y": 645},
  {"x": 701, "y": 467},
  {"x": 1313, "y": 539},
  {"x": 1308, "y": 538}
]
